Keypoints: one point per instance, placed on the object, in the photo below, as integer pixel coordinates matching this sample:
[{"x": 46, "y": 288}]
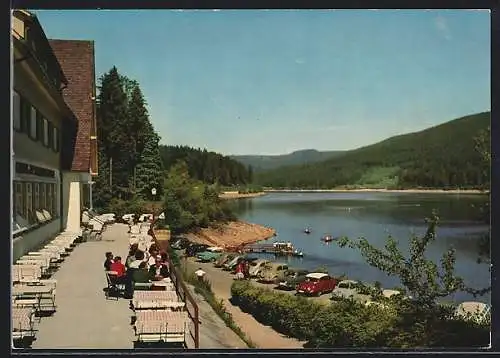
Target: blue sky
[{"x": 271, "y": 82}]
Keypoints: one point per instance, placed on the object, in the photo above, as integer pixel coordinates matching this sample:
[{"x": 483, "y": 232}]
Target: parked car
[
  {"x": 193, "y": 249},
  {"x": 257, "y": 266},
  {"x": 208, "y": 256},
  {"x": 249, "y": 259},
  {"x": 272, "y": 272},
  {"x": 292, "y": 279},
  {"x": 180, "y": 243},
  {"x": 478, "y": 312},
  {"x": 316, "y": 283},
  {"x": 346, "y": 289},
  {"x": 231, "y": 264},
  {"x": 224, "y": 259},
  {"x": 215, "y": 249}
]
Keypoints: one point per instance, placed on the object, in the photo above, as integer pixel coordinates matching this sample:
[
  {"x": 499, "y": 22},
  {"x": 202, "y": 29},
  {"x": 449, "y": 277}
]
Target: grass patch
[{"x": 204, "y": 288}]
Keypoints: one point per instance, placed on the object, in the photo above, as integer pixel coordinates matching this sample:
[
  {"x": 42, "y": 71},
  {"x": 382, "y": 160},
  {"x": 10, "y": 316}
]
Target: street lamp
[{"x": 153, "y": 193}]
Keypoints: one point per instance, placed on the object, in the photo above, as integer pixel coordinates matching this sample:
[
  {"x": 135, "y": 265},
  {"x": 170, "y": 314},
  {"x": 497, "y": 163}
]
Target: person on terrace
[
  {"x": 138, "y": 258},
  {"x": 118, "y": 267},
  {"x": 108, "y": 261},
  {"x": 123, "y": 276},
  {"x": 153, "y": 252},
  {"x": 141, "y": 275},
  {"x": 131, "y": 255},
  {"x": 158, "y": 271}
]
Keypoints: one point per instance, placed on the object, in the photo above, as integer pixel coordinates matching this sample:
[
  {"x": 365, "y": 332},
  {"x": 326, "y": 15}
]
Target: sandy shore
[
  {"x": 414, "y": 191},
  {"x": 236, "y": 195},
  {"x": 232, "y": 234}
]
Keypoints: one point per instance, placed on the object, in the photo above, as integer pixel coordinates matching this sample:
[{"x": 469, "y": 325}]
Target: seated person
[
  {"x": 164, "y": 259},
  {"x": 158, "y": 271},
  {"x": 131, "y": 255},
  {"x": 141, "y": 275},
  {"x": 153, "y": 255},
  {"x": 123, "y": 276},
  {"x": 138, "y": 258},
  {"x": 108, "y": 261},
  {"x": 118, "y": 267}
]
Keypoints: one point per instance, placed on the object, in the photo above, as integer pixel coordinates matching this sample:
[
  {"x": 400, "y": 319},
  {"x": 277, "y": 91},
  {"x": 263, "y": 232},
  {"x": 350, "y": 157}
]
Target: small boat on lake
[
  {"x": 327, "y": 238},
  {"x": 307, "y": 230}
]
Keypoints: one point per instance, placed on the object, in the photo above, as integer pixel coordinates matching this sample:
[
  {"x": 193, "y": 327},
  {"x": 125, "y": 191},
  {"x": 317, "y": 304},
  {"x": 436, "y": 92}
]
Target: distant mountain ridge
[
  {"x": 268, "y": 162},
  {"x": 443, "y": 156}
]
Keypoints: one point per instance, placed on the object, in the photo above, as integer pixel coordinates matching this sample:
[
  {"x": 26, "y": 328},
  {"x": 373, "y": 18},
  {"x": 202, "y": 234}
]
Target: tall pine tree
[
  {"x": 116, "y": 148},
  {"x": 147, "y": 161},
  {"x": 129, "y": 158}
]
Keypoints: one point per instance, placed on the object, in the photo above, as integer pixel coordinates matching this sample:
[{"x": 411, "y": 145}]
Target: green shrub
[{"x": 346, "y": 323}]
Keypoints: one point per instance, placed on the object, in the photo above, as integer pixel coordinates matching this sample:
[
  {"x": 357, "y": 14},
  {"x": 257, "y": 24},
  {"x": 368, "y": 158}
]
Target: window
[
  {"x": 39, "y": 126},
  {"x": 33, "y": 123},
  {"x": 30, "y": 214},
  {"x": 45, "y": 132},
  {"x": 54, "y": 200},
  {"x": 55, "y": 139},
  {"x": 36, "y": 201},
  {"x": 25, "y": 115},
  {"x": 16, "y": 111},
  {"x": 48, "y": 207},
  {"x": 51, "y": 135},
  {"x": 42, "y": 196},
  {"x": 18, "y": 202}
]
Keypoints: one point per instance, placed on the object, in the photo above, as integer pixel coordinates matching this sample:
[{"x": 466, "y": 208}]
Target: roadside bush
[{"x": 396, "y": 323}]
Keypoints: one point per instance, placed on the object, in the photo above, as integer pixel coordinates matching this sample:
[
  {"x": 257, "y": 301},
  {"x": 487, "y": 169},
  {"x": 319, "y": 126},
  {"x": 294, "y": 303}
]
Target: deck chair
[{"x": 113, "y": 289}]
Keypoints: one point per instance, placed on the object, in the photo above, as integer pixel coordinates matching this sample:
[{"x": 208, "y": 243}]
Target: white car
[
  {"x": 345, "y": 289},
  {"x": 257, "y": 267},
  {"x": 477, "y": 311},
  {"x": 215, "y": 249}
]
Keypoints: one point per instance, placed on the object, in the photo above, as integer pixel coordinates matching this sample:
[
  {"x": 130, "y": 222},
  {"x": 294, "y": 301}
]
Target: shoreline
[
  {"x": 409, "y": 191},
  {"x": 228, "y": 195},
  {"x": 232, "y": 234}
]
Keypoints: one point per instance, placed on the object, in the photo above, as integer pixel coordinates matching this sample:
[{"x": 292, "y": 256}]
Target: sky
[{"x": 277, "y": 81}]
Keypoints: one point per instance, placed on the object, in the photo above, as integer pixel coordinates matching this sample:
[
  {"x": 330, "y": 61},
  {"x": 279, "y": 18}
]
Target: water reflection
[{"x": 373, "y": 216}]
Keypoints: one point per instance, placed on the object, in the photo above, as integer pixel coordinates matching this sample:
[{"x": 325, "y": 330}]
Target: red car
[{"x": 316, "y": 283}]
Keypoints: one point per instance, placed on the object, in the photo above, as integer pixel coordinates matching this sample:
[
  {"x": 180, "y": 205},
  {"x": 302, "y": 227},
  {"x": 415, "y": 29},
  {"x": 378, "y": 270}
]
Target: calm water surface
[{"x": 373, "y": 216}]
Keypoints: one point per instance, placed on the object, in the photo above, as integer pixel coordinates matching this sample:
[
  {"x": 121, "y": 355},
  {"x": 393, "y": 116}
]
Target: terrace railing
[{"x": 162, "y": 241}]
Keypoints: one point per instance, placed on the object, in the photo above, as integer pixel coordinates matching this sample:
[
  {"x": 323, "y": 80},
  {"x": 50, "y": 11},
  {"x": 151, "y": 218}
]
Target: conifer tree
[
  {"x": 149, "y": 173},
  {"x": 115, "y": 146}
]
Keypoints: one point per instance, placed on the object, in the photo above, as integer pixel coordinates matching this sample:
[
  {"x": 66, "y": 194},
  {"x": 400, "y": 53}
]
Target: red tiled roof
[{"x": 76, "y": 58}]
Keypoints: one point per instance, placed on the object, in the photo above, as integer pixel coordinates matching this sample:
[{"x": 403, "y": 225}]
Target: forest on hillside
[
  {"x": 443, "y": 156},
  {"x": 205, "y": 166},
  {"x": 268, "y": 162}
]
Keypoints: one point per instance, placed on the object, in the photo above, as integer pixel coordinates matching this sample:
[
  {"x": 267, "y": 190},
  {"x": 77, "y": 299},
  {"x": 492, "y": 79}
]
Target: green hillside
[
  {"x": 443, "y": 156},
  {"x": 268, "y": 162}
]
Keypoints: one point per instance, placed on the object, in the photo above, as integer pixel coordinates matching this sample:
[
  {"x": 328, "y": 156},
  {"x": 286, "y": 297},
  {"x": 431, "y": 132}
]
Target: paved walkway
[
  {"x": 213, "y": 331},
  {"x": 84, "y": 318}
]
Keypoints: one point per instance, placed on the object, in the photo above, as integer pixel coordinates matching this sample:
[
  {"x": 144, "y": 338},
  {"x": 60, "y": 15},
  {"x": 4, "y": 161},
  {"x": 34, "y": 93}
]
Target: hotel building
[{"x": 54, "y": 144}]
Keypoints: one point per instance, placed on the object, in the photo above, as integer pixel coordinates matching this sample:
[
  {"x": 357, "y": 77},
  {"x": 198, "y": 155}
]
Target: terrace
[{"x": 85, "y": 319}]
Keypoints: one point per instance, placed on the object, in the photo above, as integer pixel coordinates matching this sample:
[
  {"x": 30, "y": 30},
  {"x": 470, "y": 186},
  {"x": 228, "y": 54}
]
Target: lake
[{"x": 372, "y": 215}]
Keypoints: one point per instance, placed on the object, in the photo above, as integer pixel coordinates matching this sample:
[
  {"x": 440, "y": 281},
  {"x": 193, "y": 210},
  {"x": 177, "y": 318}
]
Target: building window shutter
[
  {"x": 33, "y": 132},
  {"x": 16, "y": 111}
]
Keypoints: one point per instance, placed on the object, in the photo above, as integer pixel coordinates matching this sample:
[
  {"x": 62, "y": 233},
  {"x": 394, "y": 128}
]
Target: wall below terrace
[{"x": 33, "y": 239}]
